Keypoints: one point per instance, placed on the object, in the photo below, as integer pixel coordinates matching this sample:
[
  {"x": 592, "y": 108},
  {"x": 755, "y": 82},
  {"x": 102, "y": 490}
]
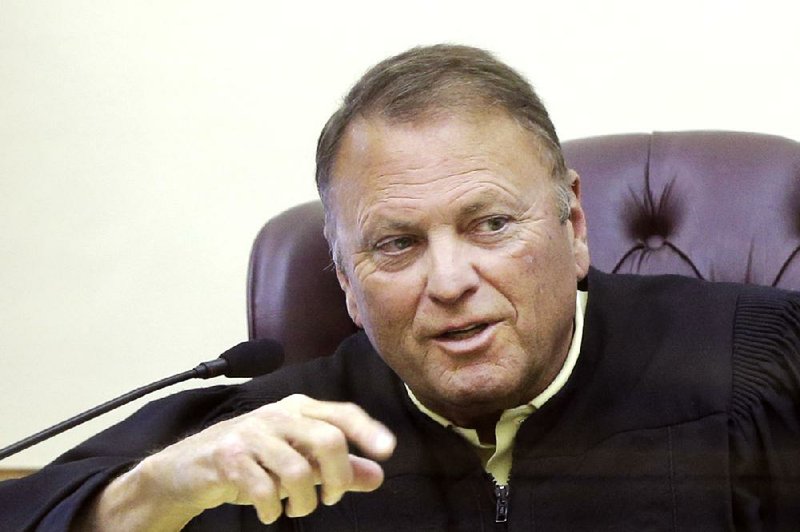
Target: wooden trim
[{"x": 6, "y": 474}]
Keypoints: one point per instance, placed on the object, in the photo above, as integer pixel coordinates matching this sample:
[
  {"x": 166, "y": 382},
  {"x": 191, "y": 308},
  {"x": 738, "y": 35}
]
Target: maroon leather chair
[{"x": 719, "y": 206}]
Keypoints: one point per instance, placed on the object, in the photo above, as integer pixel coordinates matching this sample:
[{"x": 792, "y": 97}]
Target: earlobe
[{"x": 350, "y": 300}]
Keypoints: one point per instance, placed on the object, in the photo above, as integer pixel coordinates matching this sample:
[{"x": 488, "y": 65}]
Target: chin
[
  {"x": 485, "y": 380},
  {"x": 483, "y": 399}
]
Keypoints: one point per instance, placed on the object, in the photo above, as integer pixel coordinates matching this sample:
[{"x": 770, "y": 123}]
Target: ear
[
  {"x": 577, "y": 219},
  {"x": 349, "y": 296}
]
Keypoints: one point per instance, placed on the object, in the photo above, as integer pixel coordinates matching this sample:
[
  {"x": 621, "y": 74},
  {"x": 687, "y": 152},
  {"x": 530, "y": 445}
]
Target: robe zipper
[{"x": 501, "y": 507}]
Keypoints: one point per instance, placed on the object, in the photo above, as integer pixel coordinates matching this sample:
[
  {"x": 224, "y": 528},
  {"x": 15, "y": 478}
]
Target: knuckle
[
  {"x": 297, "y": 475},
  {"x": 279, "y": 412},
  {"x": 351, "y": 410},
  {"x": 230, "y": 445},
  {"x": 296, "y": 400},
  {"x": 328, "y": 439},
  {"x": 263, "y": 492},
  {"x": 228, "y": 454}
]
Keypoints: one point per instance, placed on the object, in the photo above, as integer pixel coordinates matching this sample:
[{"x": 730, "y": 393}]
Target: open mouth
[{"x": 466, "y": 332}]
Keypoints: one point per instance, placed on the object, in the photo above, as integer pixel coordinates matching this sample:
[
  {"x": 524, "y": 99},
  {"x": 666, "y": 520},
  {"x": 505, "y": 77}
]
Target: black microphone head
[{"x": 253, "y": 358}]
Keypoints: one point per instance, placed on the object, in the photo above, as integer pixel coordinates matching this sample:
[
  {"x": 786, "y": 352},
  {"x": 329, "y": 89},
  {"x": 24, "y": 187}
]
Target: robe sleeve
[
  {"x": 51, "y": 498},
  {"x": 765, "y": 412}
]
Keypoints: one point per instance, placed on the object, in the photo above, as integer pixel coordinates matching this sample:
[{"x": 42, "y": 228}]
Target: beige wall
[{"x": 143, "y": 143}]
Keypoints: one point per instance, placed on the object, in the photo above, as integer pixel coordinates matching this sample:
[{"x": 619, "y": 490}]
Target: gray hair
[{"x": 425, "y": 82}]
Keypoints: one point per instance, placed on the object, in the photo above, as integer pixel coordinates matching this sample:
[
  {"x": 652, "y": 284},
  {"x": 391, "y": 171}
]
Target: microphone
[{"x": 247, "y": 359}]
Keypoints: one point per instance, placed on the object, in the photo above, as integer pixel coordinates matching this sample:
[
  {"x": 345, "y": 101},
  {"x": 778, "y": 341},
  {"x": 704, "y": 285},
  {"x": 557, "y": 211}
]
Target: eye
[
  {"x": 493, "y": 224},
  {"x": 395, "y": 245}
]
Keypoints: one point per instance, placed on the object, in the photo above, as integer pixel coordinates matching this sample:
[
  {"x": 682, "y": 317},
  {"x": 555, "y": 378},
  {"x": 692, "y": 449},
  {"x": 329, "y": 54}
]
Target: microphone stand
[{"x": 204, "y": 370}]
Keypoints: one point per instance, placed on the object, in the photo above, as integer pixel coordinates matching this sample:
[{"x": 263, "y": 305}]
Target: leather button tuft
[{"x": 654, "y": 241}]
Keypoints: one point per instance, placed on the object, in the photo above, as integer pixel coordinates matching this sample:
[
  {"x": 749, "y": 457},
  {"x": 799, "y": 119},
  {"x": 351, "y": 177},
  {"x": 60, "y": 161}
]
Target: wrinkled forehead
[{"x": 374, "y": 146}]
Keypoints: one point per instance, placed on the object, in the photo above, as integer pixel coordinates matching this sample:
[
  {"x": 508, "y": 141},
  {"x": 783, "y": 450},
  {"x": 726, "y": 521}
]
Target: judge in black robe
[{"x": 682, "y": 413}]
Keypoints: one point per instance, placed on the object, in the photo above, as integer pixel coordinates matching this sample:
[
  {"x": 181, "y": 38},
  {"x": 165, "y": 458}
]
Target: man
[{"x": 484, "y": 391}]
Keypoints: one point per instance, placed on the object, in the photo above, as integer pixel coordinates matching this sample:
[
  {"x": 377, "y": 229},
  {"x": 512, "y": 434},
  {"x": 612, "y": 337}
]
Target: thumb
[{"x": 367, "y": 474}]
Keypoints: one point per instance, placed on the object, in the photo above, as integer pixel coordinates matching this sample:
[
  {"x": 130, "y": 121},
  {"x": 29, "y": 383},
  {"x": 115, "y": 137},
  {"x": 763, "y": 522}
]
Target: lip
[
  {"x": 435, "y": 332},
  {"x": 462, "y": 346}
]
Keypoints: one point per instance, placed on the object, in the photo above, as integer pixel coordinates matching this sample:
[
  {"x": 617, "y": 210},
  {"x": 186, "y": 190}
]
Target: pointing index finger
[{"x": 369, "y": 435}]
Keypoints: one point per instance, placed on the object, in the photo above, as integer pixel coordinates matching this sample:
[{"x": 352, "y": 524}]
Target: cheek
[
  {"x": 540, "y": 267},
  {"x": 525, "y": 255},
  {"x": 388, "y": 302},
  {"x": 546, "y": 249}
]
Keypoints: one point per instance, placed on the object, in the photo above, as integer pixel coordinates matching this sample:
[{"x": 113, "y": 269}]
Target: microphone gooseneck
[{"x": 247, "y": 359}]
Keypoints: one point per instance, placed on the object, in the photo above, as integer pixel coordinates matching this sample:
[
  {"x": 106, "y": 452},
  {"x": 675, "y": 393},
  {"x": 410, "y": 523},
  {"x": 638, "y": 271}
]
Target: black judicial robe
[{"x": 681, "y": 414}]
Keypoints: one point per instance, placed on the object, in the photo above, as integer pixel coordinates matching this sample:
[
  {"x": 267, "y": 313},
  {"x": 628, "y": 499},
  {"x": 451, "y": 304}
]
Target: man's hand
[{"x": 282, "y": 450}]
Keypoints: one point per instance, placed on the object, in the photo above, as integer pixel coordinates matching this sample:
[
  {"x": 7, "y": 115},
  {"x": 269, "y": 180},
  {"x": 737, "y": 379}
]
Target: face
[{"x": 453, "y": 258}]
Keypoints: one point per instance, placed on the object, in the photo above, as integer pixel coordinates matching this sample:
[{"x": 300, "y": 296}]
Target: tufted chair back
[
  {"x": 719, "y": 206},
  {"x": 712, "y": 205}
]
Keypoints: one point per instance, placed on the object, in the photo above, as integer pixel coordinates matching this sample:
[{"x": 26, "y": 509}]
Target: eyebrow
[
  {"x": 473, "y": 207},
  {"x": 487, "y": 201},
  {"x": 367, "y": 232},
  {"x": 394, "y": 225}
]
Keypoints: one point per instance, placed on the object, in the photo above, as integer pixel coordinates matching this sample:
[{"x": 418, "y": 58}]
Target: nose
[{"x": 451, "y": 270}]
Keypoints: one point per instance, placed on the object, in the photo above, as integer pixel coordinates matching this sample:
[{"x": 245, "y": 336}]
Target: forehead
[{"x": 375, "y": 154}]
